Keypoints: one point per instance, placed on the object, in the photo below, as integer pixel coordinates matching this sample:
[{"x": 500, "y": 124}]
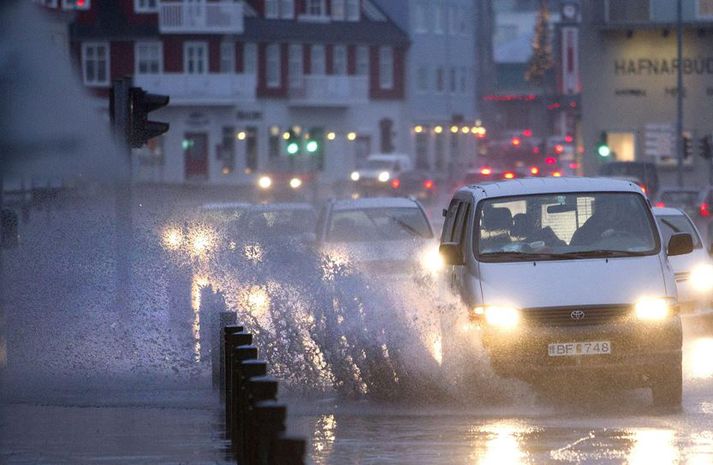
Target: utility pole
[{"x": 679, "y": 93}]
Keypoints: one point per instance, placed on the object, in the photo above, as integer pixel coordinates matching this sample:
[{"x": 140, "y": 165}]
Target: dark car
[
  {"x": 644, "y": 172},
  {"x": 416, "y": 183}
]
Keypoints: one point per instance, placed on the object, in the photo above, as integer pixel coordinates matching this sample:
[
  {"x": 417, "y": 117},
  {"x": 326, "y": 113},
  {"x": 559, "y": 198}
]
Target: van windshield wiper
[
  {"x": 525, "y": 256},
  {"x": 600, "y": 253}
]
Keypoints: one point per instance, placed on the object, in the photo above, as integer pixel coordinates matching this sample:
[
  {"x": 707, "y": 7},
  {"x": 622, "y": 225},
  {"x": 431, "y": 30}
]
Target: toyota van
[{"x": 568, "y": 277}]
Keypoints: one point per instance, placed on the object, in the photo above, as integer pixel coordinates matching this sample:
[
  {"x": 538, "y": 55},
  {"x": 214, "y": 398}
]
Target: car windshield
[
  {"x": 679, "y": 197},
  {"x": 673, "y": 224},
  {"x": 379, "y": 164},
  {"x": 564, "y": 226},
  {"x": 378, "y": 224}
]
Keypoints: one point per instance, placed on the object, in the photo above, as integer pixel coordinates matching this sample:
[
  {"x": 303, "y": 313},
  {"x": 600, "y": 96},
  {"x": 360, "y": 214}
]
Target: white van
[
  {"x": 568, "y": 276},
  {"x": 379, "y": 169}
]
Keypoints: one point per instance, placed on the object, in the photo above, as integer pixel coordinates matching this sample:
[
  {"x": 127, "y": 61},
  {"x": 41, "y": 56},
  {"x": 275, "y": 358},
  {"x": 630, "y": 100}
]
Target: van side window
[
  {"x": 448, "y": 224},
  {"x": 459, "y": 229}
]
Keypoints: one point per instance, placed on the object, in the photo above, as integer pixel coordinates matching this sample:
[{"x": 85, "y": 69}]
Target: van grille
[{"x": 570, "y": 316}]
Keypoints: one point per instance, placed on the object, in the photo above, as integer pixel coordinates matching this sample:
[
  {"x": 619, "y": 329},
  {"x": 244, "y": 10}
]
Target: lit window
[
  {"x": 148, "y": 57},
  {"x": 362, "y": 60},
  {"x": 340, "y": 59},
  {"x": 95, "y": 63},
  {"x": 76, "y": 4},
  {"x": 273, "y": 65},
  {"x": 386, "y": 68},
  {"x": 146, "y": 6}
]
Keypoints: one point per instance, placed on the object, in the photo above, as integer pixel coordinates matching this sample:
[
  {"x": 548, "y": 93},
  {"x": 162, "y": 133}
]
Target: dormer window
[
  {"x": 316, "y": 8},
  {"x": 279, "y": 9},
  {"x": 146, "y": 6}
]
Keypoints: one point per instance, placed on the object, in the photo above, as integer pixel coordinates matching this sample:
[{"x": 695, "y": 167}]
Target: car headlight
[
  {"x": 432, "y": 261},
  {"x": 701, "y": 278},
  {"x": 172, "y": 238},
  {"x": 355, "y": 176},
  {"x": 264, "y": 182},
  {"x": 295, "y": 183},
  {"x": 652, "y": 309},
  {"x": 499, "y": 316},
  {"x": 384, "y": 176}
]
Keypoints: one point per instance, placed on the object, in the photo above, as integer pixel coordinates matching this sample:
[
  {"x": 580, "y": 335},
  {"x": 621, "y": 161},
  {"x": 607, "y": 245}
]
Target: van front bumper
[{"x": 638, "y": 350}]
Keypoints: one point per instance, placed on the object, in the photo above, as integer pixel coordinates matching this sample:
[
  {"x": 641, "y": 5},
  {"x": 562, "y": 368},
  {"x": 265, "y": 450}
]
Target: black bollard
[
  {"x": 288, "y": 451},
  {"x": 241, "y": 404},
  {"x": 269, "y": 424},
  {"x": 227, "y": 332},
  {"x": 225, "y": 319},
  {"x": 233, "y": 340}
]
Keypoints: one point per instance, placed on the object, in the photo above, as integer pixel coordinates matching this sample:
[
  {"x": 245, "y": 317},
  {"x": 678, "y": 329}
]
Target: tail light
[
  {"x": 660, "y": 204},
  {"x": 704, "y": 209},
  {"x": 486, "y": 171},
  {"x": 428, "y": 184},
  {"x": 395, "y": 183},
  {"x": 557, "y": 174},
  {"x": 509, "y": 175},
  {"x": 550, "y": 160}
]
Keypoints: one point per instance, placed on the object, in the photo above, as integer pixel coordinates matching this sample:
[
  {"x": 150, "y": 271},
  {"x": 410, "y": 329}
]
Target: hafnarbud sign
[{"x": 662, "y": 66}]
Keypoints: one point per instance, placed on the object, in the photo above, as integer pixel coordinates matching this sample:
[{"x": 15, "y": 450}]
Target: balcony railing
[
  {"x": 200, "y": 17},
  {"x": 330, "y": 90},
  {"x": 204, "y": 89}
]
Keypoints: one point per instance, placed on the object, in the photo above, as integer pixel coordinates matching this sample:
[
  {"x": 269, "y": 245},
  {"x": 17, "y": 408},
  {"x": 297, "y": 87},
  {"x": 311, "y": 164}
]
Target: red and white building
[{"x": 242, "y": 74}]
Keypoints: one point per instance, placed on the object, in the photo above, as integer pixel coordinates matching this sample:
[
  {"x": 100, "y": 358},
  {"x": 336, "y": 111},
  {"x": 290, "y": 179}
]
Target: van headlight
[
  {"x": 432, "y": 261},
  {"x": 701, "y": 278},
  {"x": 653, "y": 309},
  {"x": 499, "y": 316},
  {"x": 355, "y": 176},
  {"x": 265, "y": 182},
  {"x": 384, "y": 176}
]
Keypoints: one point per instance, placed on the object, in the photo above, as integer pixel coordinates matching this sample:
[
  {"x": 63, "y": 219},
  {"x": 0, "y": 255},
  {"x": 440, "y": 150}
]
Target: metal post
[
  {"x": 3, "y": 321},
  {"x": 225, "y": 357},
  {"x": 217, "y": 360},
  {"x": 679, "y": 93}
]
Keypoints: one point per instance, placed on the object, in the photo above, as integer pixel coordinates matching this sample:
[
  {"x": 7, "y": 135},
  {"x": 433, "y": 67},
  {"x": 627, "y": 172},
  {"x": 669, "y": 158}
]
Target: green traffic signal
[
  {"x": 312, "y": 146},
  {"x": 603, "y": 150},
  {"x": 293, "y": 148}
]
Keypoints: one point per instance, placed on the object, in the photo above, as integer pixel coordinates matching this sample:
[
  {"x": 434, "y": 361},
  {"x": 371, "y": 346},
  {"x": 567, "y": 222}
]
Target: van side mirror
[
  {"x": 452, "y": 253},
  {"x": 680, "y": 244}
]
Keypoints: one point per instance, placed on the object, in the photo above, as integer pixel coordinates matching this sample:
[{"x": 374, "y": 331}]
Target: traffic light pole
[
  {"x": 679, "y": 94},
  {"x": 123, "y": 225}
]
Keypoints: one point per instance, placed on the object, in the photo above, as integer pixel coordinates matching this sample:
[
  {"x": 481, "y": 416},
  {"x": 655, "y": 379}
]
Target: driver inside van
[{"x": 610, "y": 219}]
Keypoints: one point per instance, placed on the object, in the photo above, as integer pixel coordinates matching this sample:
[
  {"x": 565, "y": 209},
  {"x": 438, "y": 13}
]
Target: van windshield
[
  {"x": 564, "y": 226},
  {"x": 379, "y": 164}
]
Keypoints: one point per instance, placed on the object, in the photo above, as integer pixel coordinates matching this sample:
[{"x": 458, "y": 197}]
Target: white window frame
[
  {"x": 353, "y": 11},
  {"x": 273, "y": 66},
  {"x": 339, "y": 10},
  {"x": 322, "y": 6},
  {"x": 186, "y": 59},
  {"x": 339, "y": 59},
  {"x": 362, "y": 60},
  {"x": 141, "y": 6},
  {"x": 138, "y": 58},
  {"x": 272, "y": 9},
  {"x": 250, "y": 58},
  {"x": 287, "y": 9},
  {"x": 420, "y": 26},
  {"x": 227, "y": 57},
  {"x": 67, "y": 5},
  {"x": 323, "y": 59},
  {"x": 386, "y": 68},
  {"x": 438, "y": 18},
  {"x": 295, "y": 65},
  {"x": 86, "y": 46}
]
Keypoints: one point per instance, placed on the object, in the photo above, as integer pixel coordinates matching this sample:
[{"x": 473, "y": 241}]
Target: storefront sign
[{"x": 662, "y": 66}]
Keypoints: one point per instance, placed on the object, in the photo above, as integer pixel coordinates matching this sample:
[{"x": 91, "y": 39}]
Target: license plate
[{"x": 565, "y": 349}]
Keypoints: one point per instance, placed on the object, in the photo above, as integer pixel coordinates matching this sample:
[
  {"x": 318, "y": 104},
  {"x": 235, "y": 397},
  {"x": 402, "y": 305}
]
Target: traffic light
[
  {"x": 706, "y": 147},
  {"x": 687, "y": 146},
  {"x": 314, "y": 145},
  {"x": 603, "y": 149},
  {"x": 129, "y": 109},
  {"x": 293, "y": 143},
  {"x": 141, "y": 103}
]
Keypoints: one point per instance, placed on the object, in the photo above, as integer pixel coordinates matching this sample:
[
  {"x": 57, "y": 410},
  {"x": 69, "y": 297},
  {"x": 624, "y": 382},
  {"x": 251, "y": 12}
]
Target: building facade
[
  {"x": 629, "y": 63},
  {"x": 246, "y": 78},
  {"x": 442, "y": 64}
]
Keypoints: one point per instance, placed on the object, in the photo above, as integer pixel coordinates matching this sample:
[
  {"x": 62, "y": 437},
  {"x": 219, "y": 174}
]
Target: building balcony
[
  {"x": 200, "y": 89},
  {"x": 330, "y": 91},
  {"x": 200, "y": 17}
]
